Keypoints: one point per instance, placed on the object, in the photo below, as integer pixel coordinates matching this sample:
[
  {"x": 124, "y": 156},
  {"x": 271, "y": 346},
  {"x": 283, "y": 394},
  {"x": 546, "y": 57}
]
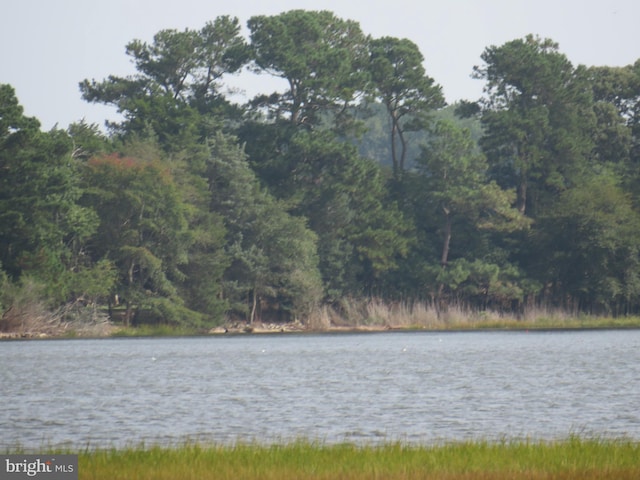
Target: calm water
[{"x": 413, "y": 387}]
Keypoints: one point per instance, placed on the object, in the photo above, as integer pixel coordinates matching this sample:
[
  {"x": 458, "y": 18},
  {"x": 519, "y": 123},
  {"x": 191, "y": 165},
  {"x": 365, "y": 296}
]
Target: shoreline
[
  {"x": 259, "y": 328},
  {"x": 351, "y": 316}
]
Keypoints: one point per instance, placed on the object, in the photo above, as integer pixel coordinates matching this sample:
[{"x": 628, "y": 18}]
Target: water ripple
[{"x": 414, "y": 387}]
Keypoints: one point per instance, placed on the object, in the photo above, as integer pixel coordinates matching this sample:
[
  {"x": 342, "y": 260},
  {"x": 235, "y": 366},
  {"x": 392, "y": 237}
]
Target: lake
[{"x": 414, "y": 387}]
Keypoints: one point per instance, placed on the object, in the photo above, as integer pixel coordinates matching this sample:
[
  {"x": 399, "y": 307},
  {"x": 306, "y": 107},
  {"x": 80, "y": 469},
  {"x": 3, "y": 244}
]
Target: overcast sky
[{"x": 48, "y": 46}]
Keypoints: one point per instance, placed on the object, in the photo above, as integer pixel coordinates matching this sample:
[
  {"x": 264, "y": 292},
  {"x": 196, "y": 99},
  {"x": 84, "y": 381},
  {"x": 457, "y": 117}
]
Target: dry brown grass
[
  {"x": 375, "y": 313},
  {"x": 27, "y": 315}
]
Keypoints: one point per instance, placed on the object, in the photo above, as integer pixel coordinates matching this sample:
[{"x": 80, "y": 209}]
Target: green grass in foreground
[{"x": 573, "y": 458}]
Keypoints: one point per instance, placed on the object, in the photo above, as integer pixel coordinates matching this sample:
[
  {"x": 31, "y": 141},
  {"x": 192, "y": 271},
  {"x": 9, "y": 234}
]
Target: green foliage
[
  {"x": 42, "y": 226},
  {"x": 538, "y": 117},
  {"x": 88, "y": 141},
  {"x": 374, "y": 143},
  {"x": 343, "y": 196},
  {"x": 532, "y": 197},
  {"x": 322, "y": 58},
  {"x": 177, "y": 83},
  {"x": 207, "y": 260},
  {"x": 483, "y": 283},
  {"x": 616, "y": 92},
  {"x": 453, "y": 185},
  {"x": 143, "y": 225},
  {"x": 274, "y": 259},
  {"x": 168, "y": 311},
  {"x": 93, "y": 282},
  {"x": 402, "y": 86},
  {"x": 592, "y": 242}
]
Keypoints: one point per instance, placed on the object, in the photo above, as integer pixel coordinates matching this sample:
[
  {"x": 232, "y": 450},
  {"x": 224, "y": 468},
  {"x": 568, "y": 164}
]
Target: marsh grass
[
  {"x": 573, "y": 458},
  {"x": 375, "y": 312}
]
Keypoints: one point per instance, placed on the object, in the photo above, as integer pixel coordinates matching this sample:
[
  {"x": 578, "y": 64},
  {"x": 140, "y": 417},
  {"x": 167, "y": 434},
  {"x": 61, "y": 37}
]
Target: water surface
[{"x": 412, "y": 387}]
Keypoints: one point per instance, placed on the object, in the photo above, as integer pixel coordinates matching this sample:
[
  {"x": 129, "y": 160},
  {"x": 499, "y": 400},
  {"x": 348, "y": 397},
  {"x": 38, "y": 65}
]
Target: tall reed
[{"x": 378, "y": 313}]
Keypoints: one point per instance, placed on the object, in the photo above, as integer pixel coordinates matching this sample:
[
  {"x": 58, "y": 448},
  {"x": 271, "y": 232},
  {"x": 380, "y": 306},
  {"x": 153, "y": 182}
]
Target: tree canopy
[
  {"x": 322, "y": 58},
  {"x": 353, "y": 181}
]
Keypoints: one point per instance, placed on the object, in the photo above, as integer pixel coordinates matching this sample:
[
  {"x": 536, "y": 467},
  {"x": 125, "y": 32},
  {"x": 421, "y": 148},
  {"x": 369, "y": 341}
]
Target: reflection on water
[{"x": 413, "y": 387}]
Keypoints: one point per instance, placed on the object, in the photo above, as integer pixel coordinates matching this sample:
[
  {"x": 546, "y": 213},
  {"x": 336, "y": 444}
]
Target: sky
[{"x": 48, "y": 46}]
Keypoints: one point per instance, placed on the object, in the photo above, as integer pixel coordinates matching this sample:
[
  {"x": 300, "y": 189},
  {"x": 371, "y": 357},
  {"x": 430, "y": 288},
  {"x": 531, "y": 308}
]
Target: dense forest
[{"x": 356, "y": 181}]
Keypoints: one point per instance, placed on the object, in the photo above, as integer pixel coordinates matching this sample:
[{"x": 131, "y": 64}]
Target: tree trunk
[
  {"x": 403, "y": 150},
  {"x": 127, "y": 314},
  {"x": 253, "y": 307},
  {"x": 394, "y": 155},
  {"x": 522, "y": 195},
  {"x": 129, "y": 308},
  {"x": 444, "y": 259},
  {"x": 130, "y": 271},
  {"x": 397, "y": 157}
]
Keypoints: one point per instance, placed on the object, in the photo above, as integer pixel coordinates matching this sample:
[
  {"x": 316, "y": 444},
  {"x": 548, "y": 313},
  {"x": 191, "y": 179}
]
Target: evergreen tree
[
  {"x": 175, "y": 94},
  {"x": 409, "y": 95},
  {"x": 143, "y": 231},
  {"x": 361, "y": 233},
  {"x": 323, "y": 60},
  {"x": 454, "y": 187},
  {"x": 538, "y": 118},
  {"x": 42, "y": 226},
  {"x": 274, "y": 264},
  {"x": 586, "y": 249}
]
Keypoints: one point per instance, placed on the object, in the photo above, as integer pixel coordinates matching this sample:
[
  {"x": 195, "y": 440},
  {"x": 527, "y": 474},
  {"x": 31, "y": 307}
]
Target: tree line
[{"x": 357, "y": 180}]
